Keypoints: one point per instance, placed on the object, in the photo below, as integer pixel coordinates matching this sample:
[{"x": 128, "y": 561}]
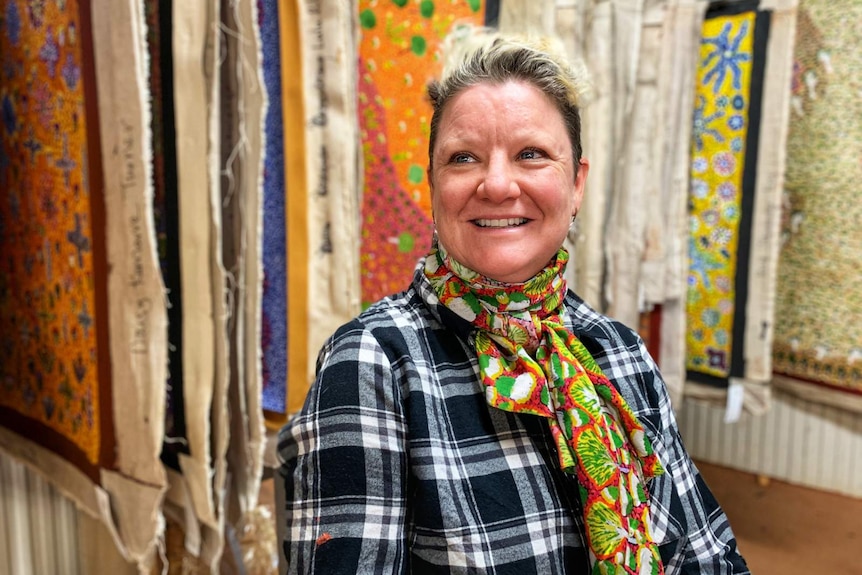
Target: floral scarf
[{"x": 530, "y": 363}]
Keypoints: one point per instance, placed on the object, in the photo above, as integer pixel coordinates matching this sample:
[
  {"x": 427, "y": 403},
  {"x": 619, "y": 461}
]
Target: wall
[
  {"x": 798, "y": 441},
  {"x": 39, "y": 531},
  {"x": 42, "y": 532}
]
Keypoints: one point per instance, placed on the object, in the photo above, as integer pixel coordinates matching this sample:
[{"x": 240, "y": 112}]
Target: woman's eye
[{"x": 531, "y": 154}]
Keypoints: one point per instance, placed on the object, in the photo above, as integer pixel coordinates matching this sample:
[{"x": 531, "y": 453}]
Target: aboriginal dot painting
[
  {"x": 398, "y": 55},
  {"x": 51, "y": 283},
  {"x": 274, "y": 293},
  {"x": 818, "y": 313},
  {"x": 721, "y": 196}
]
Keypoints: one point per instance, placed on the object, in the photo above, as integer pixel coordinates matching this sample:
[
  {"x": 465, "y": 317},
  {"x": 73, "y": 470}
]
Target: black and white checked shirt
[{"x": 396, "y": 464}]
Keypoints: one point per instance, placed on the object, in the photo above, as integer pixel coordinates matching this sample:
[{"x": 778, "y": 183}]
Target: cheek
[
  {"x": 560, "y": 197},
  {"x": 446, "y": 199},
  {"x": 436, "y": 193},
  {"x": 437, "y": 208}
]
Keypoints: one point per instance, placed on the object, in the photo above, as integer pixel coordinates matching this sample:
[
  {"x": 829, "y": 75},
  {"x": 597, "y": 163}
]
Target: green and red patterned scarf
[{"x": 530, "y": 363}]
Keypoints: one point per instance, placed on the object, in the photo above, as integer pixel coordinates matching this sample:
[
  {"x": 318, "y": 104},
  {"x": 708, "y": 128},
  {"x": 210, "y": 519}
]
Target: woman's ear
[{"x": 580, "y": 184}]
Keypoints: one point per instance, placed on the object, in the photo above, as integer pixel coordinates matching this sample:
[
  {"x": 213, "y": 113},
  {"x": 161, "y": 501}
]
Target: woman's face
[{"x": 503, "y": 185}]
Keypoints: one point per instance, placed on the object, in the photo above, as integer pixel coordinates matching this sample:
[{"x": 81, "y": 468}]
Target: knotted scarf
[{"x": 530, "y": 363}]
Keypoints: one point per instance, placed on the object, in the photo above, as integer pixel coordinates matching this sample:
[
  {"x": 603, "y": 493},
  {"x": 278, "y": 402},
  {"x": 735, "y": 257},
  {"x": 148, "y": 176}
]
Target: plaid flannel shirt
[{"x": 396, "y": 464}]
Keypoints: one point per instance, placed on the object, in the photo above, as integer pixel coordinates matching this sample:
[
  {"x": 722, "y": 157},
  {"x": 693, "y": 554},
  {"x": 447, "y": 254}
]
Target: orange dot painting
[
  {"x": 48, "y": 328},
  {"x": 398, "y": 55}
]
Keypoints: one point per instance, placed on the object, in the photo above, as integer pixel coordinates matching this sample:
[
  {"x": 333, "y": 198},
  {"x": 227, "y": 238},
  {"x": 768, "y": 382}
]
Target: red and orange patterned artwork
[{"x": 397, "y": 56}]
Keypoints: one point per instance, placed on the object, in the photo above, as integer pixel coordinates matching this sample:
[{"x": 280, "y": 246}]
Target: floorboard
[{"x": 785, "y": 529}]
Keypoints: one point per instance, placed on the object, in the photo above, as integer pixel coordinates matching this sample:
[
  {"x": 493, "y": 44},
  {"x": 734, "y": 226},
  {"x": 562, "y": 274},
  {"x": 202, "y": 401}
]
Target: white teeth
[{"x": 501, "y": 223}]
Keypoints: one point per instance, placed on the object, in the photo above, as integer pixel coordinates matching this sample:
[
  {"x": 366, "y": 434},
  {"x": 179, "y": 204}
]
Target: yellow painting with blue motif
[{"x": 720, "y": 143}]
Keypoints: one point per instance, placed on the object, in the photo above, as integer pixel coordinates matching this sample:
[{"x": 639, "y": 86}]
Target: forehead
[
  {"x": 511, "y": 107},
  {"x": 508, "y": 93}
]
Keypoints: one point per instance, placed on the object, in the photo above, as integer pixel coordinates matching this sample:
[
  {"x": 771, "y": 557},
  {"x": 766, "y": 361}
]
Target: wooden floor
[{"x": 784, "y": 529}]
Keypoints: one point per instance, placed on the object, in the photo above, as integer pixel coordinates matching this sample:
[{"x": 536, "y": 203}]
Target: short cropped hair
[{"x": 481, "y": 55}]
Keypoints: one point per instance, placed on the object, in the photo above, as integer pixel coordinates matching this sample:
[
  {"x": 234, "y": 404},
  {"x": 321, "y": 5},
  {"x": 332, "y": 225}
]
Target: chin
[
  {"x": 503, "y": 273},
  {"x": 512, "y": 271}
]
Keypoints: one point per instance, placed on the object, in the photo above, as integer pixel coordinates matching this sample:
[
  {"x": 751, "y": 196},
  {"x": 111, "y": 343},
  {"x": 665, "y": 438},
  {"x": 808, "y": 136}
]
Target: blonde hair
[{"x": 473, "y": 55}]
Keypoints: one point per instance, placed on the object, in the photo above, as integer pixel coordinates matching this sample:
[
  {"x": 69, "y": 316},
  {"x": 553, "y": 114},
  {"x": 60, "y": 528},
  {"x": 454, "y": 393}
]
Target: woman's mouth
[{"x": 504, "y": 223}]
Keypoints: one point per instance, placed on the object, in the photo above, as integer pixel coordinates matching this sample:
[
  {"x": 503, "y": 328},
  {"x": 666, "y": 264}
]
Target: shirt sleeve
[
  {"x": 684, "y": 503},
  {"x": 344, "y": 464}
]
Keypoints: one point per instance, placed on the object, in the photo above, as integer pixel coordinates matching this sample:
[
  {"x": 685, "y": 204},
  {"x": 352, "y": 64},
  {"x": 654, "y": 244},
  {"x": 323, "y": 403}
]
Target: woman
[{"x": 487, "y": 420}]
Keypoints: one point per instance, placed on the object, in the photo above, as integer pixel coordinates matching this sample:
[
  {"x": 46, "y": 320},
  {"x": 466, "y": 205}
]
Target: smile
[{"x": 506, "y": 223}]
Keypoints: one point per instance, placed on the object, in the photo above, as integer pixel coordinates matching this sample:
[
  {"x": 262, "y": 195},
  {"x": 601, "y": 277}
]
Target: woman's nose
[{"x": 499, "y": 183}]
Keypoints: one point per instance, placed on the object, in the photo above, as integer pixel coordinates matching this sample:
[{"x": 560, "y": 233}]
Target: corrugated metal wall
[
  {"x": 38, "y": 526},
  {"x": 797, "y": 441}
]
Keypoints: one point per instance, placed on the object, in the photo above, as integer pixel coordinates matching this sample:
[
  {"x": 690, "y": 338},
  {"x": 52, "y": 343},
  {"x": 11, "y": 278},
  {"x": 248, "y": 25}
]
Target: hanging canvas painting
[
  {"x": 819, "y": 302},
  {"x": 722, "y": 189},
  {"x": 81, "y": 299},
  {"x": 398, "y": 55}
]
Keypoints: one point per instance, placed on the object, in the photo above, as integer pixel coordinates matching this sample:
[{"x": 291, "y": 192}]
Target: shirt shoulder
[
  {"x": 622, "y": 355},
  {"x": 587, "y": 322},
  {"x": 617, "y": 348}
]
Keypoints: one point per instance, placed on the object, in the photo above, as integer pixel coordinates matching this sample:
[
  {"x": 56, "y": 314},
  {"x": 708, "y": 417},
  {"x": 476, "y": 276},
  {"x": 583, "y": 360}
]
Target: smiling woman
[
  {"x": 504, "y": 187},
  {"x": 486, "y": 419}
]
